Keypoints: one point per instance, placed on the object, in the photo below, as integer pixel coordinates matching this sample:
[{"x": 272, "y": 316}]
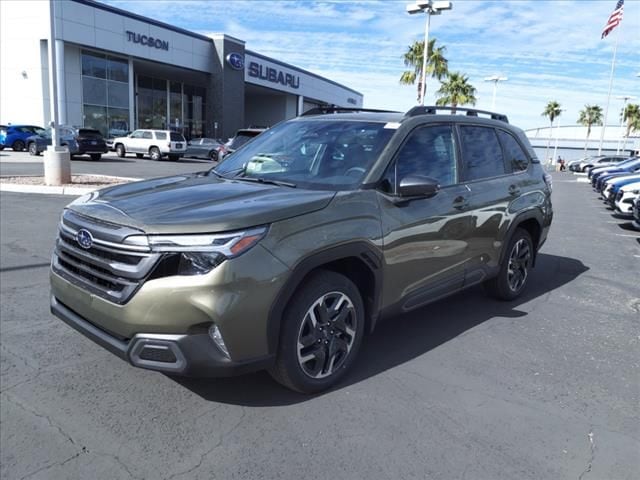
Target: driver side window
[{"x": 428, "y": 151}]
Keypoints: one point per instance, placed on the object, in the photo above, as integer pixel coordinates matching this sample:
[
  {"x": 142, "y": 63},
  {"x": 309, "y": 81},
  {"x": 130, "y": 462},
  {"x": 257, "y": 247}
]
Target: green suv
[{"x": 285, "y": 255}]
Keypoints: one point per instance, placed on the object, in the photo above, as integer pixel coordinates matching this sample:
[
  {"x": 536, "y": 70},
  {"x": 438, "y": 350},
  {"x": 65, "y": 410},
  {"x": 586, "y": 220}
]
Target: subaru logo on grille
[{"x": 84, "y": 238}]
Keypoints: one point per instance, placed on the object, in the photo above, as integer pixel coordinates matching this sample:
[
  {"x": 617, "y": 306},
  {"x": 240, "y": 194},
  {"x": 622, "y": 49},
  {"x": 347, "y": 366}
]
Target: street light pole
[
  {"x": 430, "y": 7},
  {"x": 495, "y": 79},
  {"x": 555, "y": 148}
]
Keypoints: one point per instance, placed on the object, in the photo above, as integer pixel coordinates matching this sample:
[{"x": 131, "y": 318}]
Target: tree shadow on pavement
[{"x": 400, "y": 339}]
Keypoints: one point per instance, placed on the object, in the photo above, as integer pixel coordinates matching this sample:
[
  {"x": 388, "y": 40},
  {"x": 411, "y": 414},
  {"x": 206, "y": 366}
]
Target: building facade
[{"x": 118, "y": 71}]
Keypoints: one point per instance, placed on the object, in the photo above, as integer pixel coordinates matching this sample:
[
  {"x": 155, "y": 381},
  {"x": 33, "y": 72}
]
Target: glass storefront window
[{"x": 105, "y": 93}]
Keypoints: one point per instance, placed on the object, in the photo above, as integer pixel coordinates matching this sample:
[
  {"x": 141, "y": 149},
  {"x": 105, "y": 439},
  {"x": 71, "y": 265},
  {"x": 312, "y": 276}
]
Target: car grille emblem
[{"x": 84, "y": 238}]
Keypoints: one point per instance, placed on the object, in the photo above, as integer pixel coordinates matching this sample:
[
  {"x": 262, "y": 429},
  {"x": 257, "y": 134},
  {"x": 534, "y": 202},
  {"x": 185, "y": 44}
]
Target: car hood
[{"x": 198, "y": 203}]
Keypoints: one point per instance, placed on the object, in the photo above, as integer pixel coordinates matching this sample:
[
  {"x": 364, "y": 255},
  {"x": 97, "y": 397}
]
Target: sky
[{"x": 548, "y": 50}]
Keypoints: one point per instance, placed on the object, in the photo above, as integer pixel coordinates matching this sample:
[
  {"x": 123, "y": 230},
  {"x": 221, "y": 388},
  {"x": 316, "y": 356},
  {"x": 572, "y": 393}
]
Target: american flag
[{"x": 614, "y": 19}]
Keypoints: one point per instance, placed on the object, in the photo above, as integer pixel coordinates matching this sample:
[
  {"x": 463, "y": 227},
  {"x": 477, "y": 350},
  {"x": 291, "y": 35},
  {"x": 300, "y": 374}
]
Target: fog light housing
[{"x": 216, "y": 336}]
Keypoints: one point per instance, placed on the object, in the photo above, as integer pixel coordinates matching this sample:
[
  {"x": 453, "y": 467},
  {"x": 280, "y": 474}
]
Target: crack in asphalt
[
  {"x": 51, "y": 465},
  {"x": 212, "y": 449},
  {"x": 592, "y": 454}
]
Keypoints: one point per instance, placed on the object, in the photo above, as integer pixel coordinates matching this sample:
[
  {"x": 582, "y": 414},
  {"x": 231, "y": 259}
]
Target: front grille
[{"x": 110, "y": 270}]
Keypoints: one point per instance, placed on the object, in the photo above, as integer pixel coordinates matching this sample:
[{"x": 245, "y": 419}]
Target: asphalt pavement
[{"x": 545, "y": 387}]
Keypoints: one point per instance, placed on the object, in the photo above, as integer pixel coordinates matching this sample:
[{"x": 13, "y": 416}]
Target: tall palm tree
[
  {"x": 631, "y": 115},
  {"x": 437, "y": 64},
  {"x": 456, "y": 90},
  {"x": 551, "y": 111},
  {"x": 588, "y": 116}
]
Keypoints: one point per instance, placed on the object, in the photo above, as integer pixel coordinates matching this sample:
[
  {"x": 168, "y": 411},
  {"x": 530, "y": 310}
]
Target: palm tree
[
  {"x": 631, "y": 115},
  {"x": 456, "y": 90},
  {"x": 437, "y": 65},
  {"x": 590, "y": 115},
  {"x": 552, "y": 111}
]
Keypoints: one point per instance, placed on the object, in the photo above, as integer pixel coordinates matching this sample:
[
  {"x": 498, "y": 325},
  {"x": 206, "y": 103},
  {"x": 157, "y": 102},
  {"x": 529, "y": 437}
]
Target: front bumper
[{"x": 181, "y": 354}]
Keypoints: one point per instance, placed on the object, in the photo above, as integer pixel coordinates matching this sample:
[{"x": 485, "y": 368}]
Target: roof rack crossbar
[
  {"x": 328, "y": 109},
  {"x": 470, "y": 112}
]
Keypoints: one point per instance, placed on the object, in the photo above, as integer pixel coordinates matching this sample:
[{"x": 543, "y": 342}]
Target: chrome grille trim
[{"x": 107, "y": 269}]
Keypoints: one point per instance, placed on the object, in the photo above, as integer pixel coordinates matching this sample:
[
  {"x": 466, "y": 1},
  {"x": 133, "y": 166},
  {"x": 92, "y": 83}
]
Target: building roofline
[
  {"x": 302, "y": 70},
  {"x": 135, "y": 16}
]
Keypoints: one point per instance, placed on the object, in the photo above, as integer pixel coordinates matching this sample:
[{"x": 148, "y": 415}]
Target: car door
[
  {"x": 133, "y": 142},
  {"x": 425, "y": 240},
  {"x": 495, "y": 193}
]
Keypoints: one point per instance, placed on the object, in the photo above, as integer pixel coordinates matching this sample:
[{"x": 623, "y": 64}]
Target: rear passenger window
[
  {"x": 146, "y": 135},
  {"x": 481, "y": 152},
  {"x": 161, "y": 135},
  {"x": 512, "y": 149},
  {"x": 429, "y": 151}
]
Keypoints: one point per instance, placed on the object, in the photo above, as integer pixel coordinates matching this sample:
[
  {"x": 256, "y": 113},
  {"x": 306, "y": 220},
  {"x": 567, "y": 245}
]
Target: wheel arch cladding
[
  {"x": 359, "y": 262},
  {"x": 530, "y": 222}
]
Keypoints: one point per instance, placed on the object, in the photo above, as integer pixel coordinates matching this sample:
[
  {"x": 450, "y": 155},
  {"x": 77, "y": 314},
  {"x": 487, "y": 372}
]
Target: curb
[{"x": 56, "y": 190}]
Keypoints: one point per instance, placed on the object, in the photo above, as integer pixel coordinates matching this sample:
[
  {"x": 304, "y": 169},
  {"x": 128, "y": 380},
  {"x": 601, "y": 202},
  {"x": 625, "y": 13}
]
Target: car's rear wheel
[
  {"x": 120, "y": 150},
  {"x": 154, "y": 153},
  {"x": 514, "y": 271},
  {"x": 174, "y": 158},
  {"x": 213, "y": 155},
  {"x": 139, "y": 155},
  {"x": 321, "y": 333},
  {"x": 33, "y": 149},
  {"x": 96, "y": 156},
  {"x": 18, "y": 146}
]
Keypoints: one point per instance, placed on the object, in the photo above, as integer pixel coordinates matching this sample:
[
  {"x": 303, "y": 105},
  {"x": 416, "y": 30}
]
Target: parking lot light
[
  {"x": 495, "y": 79},
  {"x": 430, "y": 7}
]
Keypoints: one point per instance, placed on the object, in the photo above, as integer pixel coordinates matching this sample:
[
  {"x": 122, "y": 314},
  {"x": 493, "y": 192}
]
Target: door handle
[
  {"x": 460, "y": 203},
  {"x": 513, "y": 190}
]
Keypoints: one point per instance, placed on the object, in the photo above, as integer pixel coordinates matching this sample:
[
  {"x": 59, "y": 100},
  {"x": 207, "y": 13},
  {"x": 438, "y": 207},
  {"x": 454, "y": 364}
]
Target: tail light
[{"x": 549, "y": 181}]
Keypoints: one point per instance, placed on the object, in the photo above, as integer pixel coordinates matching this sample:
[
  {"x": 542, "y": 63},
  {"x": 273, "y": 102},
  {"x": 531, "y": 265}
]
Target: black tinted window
[
  {"x": 176, "y": 137},
  {"x": 481, "y": 152},
  {"x": 513, "y": 151},
  {"x": 429, "y": 151}
]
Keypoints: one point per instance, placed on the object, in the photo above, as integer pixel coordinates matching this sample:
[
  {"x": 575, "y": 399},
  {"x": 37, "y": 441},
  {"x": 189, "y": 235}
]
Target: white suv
[{"x": 155, "y": 143}]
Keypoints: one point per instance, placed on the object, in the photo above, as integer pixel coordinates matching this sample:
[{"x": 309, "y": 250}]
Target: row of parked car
[
  {"x": 619, "y": 185},
  {"x": 584, "y": 164},
  {"x": 157, "y": 144}
]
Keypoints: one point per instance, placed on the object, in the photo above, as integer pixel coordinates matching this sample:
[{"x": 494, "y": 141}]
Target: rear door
[
  {"x": 488, "y": 173},
  {"x": 425, "y": 239}
]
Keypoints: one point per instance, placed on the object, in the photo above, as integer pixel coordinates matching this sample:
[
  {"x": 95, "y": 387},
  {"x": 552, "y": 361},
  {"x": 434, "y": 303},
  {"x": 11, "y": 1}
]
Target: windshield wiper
[{"x": 266, "y": 181}]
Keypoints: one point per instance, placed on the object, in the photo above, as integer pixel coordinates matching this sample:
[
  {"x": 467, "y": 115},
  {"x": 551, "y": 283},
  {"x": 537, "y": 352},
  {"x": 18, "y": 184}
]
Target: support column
[
  {"x": 132, "y": 97},
  {"x": 300, "y": 105}
]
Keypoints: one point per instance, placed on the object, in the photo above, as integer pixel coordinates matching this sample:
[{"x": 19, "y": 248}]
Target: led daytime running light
[{"x": 228, "y": 244}]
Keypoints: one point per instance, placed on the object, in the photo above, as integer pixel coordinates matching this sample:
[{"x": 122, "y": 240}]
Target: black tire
[
  {"x": 332, "y": 340},
  {"x": 174, "y": 158},
  {"x": 213, "y": 155},
  {"x": 154, "y": 153},
  {"x": 95, "y": 156},
  {"x": 120, "y": 150},
  {"x": 33, "y": 149},
  {"x": 515, "y": 269},
  {"x": 139, "y": 155},
  {"x": 18, "y": 146}
]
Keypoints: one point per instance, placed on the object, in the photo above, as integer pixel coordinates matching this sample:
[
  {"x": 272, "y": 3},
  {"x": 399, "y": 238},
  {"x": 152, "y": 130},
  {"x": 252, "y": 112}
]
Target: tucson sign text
[{"x": 147, "y": 40}]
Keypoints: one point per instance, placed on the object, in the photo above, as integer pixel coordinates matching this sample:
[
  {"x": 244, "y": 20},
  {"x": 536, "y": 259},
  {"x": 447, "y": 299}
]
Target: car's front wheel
[
  {"x": 514, "y": 271},
  {"x": 33, "y": 149},
  {"x": 120, "y": 150},
  {"x": 321, "y": 333}
]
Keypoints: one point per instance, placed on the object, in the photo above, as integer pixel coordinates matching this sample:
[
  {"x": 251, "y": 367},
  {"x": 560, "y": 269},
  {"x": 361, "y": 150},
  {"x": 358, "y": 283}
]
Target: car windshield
[
  {"x": 241, "y": 138},
  {"x": 316, "y": 154}
]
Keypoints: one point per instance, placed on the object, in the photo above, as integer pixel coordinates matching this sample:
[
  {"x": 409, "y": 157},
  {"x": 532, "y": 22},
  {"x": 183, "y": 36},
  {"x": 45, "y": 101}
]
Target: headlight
[{"x": 198, "y": 254}]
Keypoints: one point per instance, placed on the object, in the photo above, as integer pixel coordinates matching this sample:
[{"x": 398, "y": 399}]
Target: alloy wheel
[
  {"x": 519, "y": 263},
  {"x": 327, "y": 334}
]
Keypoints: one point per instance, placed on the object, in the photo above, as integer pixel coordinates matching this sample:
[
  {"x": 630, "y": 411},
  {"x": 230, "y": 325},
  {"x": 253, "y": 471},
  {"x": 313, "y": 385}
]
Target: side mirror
[{"x": 418, "y": 186}]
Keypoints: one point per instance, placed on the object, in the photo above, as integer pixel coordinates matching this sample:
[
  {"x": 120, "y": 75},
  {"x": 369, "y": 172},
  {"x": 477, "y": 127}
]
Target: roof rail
[
  {"x": 470, "y": 112},
  {"x": 327, "y": 109}
]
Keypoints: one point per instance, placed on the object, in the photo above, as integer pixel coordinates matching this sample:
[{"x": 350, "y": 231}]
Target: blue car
[
  {"x": 15, "y": 136},
  {"x": 599, "y": 178},
  {"x": 79, "y": 141}
]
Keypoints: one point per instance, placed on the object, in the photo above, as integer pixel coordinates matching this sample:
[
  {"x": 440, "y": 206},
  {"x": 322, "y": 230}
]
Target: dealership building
[{"x": 118, "y": 71}]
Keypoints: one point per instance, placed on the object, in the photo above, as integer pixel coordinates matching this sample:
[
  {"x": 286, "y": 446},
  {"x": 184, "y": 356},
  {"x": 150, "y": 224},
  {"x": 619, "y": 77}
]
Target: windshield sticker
[{"x": 393, "y": 125}]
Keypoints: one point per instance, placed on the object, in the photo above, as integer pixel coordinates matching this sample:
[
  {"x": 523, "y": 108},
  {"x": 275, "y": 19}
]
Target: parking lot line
[{"x": 625, "y": 235}]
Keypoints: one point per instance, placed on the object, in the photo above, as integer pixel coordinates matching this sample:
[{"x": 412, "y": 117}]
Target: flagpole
[{"x": 606, "y": 108}]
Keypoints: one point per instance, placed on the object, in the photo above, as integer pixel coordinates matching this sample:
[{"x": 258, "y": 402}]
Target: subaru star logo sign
[
  {"x": 84, "y": 238},
  {"x": 236, "y": 61}
]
